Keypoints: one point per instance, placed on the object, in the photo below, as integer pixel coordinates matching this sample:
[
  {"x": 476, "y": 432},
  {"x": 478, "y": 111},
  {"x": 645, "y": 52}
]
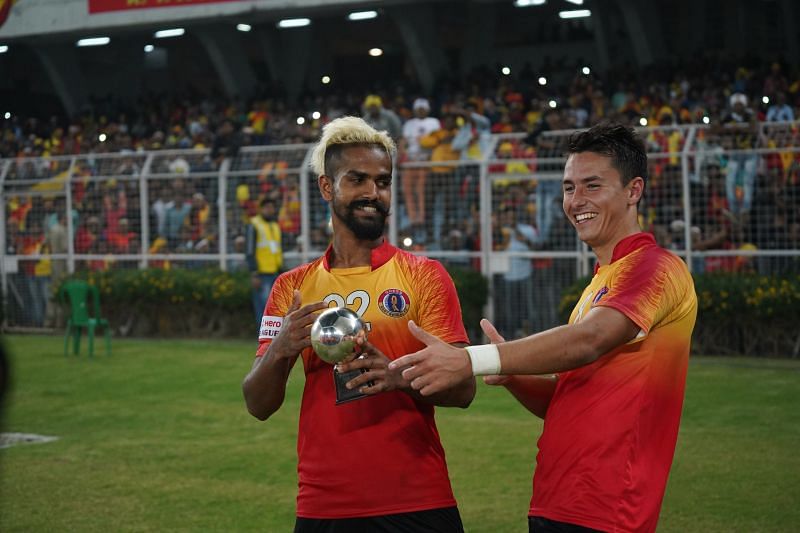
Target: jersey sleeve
[
  {"x": 647, "y": 289},
  {"x": 280, "y": 298},
  {"x": 440, "y": 309}
]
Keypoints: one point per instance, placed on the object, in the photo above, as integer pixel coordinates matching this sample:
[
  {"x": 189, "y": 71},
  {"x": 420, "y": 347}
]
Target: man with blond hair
[{"x": 358, "y": 436}]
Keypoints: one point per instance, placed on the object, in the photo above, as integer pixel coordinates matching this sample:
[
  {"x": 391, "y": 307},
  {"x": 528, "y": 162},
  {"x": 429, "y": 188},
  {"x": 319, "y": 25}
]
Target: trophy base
[{"x": 343, "y": 394}]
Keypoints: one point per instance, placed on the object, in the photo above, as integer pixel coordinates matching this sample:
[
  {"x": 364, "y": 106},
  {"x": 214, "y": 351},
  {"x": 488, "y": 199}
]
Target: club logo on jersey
[
  {"x": 270, "y": 327},
  {"x": 602, "y": 292},
  {"x": 394, "y": 302}
]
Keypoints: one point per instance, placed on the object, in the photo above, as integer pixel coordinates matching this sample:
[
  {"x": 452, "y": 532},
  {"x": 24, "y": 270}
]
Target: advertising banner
[{"x": 103, "y": 6}]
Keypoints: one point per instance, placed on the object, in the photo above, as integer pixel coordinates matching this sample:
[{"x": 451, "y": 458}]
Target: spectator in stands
[
  {"x": 547, "y": 190},
  {"x": 413, "y": 179},
  {"x": 516, "y": 290},
  {"x": 380, "y": 118},
  {"x": 473, "y": 140},
  {"x": 442, "y": 190},
  {"x": 780, "y": 111},
  {"x": 88, "y": 234},
  {"x": 740, "y": 180},
  {"x": 36, "y": 272},
  {"x": 227, "y": 142}
]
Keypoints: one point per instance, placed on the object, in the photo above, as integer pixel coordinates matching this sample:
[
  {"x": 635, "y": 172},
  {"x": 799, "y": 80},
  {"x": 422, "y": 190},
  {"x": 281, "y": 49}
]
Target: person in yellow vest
[{"x": 263, "y": 253}]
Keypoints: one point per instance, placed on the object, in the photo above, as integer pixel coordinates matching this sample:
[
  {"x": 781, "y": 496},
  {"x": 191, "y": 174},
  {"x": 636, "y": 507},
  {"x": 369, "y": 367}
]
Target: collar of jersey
[
  {"x": 629, "y": 244},
  {"x": 379, "y": 257}
]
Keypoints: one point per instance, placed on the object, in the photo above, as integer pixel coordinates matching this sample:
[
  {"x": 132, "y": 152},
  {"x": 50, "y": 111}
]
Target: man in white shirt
[{"x": 413, "y": 178}]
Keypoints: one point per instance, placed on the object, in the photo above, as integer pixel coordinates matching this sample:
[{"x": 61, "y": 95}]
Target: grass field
[{"x": 156, "y": 438}]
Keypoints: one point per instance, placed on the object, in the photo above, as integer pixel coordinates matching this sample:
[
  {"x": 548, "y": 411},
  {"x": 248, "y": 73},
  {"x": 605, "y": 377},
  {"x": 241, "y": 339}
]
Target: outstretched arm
[
  {"x": 439, "y": 366},
  {"x": 533, "y": 392}
]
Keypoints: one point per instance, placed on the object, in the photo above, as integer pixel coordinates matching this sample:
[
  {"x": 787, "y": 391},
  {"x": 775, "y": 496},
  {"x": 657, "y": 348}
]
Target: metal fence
[{"x": 724, "y": 199}]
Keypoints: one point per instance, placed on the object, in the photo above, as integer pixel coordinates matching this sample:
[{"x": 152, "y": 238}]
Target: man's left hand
[
  {"x": 376, "y": 365},
  {"x": 435, "y": 368}
]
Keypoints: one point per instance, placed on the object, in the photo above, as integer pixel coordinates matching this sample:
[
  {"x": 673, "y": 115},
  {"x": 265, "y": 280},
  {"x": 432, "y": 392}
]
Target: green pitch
[{"x": 156, "y": 438}]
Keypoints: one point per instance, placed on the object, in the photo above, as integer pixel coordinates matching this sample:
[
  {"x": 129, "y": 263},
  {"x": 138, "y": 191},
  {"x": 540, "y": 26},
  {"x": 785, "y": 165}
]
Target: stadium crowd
[{"x": 738, "y": 200}]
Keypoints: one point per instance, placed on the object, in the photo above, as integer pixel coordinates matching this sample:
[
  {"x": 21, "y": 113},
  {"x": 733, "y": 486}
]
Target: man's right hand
[
  {"x": 295, "y": 334},
  {"x": 494, "y": 337}
]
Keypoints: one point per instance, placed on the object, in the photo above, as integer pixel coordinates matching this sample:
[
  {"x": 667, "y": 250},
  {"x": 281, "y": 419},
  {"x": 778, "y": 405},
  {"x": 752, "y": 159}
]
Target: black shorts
[
  {"x": 537, "y": 524},
  {"x": 445, "y": 520}
]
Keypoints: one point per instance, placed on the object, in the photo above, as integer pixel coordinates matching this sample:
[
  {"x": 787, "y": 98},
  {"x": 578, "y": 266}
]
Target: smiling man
[
  {"x": 610, "y": 384},
  {"x": 359, "y": 436}
]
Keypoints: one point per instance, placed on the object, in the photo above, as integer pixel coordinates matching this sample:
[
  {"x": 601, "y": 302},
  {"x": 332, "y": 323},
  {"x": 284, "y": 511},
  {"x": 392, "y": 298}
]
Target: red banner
[
  {"x": 102, "y": 6},
  {"x": 5, "y": 9}
]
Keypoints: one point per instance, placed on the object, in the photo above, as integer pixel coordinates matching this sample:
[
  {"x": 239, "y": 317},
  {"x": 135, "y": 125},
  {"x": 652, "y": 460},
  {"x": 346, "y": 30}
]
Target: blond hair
[{"x": 348, "y": 130}]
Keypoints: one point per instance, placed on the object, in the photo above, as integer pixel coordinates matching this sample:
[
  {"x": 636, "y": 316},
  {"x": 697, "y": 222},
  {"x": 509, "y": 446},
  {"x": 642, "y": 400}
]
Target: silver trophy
[{"x": 334, "y": 336}]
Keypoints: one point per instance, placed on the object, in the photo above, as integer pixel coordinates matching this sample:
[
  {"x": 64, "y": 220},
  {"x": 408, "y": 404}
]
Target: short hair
[
  {"x": 268, "y": 200},
  {"x": 343, "y": 132},
  {"x": 613, "y": 140}
]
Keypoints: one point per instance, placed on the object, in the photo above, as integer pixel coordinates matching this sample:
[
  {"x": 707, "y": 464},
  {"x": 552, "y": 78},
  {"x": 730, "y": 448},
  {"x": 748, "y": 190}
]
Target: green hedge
[
  {"x": 210, "y": 302},
  {"x": 737, "y": 314}
]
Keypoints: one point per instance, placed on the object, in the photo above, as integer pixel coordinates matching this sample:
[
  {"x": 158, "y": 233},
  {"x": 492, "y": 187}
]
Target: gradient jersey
[
  {"x": 381, "y": 454},
  {"x": 611, "y": 426}
]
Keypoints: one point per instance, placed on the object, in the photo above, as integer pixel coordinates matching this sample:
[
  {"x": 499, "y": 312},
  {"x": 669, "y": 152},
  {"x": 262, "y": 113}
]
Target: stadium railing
[{"x": 726, "y": 200}]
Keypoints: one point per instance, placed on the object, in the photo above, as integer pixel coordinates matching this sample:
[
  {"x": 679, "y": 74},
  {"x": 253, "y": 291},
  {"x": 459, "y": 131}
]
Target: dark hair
[
  {"x": 613, "y": 140},
  {"x": 267, "y": 200}
]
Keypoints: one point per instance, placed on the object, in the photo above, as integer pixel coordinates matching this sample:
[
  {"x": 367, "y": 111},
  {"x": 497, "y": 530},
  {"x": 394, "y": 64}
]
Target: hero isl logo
[
  {"x": 394, "y": 302},
  {"x": 5, "y": 9}
]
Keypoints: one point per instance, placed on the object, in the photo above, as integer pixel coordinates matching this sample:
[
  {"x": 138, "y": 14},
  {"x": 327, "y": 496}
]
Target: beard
[{"x": 368, "y": 229}]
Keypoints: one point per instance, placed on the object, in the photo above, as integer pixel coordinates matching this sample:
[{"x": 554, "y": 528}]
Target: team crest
[
  {"x": 394, "y": 302},
  {"x": 602, "y": 292}
]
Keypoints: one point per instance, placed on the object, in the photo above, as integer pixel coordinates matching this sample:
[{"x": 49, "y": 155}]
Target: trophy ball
[{"x": 335, "y": 333}]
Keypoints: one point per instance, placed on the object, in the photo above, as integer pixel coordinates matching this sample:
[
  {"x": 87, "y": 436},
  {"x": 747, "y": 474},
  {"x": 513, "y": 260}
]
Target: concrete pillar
[
  {"x": 645, "y": 31},
  {"x": 789, "y": 19},
  {"x": 224, "y": 48},
  {"x": 601, "y": 31},
  {"x": 287, "y": 53},
  {"x": 60, "y": 62},
  {"x": 415, "y": 23},
  {"x": 478, "y": 50}
]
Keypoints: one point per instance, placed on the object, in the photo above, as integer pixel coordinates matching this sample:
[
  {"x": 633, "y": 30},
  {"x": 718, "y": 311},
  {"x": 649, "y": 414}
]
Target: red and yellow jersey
[
  {"x": 611, "y": 426},
  {"x": 354, "y": 458}
]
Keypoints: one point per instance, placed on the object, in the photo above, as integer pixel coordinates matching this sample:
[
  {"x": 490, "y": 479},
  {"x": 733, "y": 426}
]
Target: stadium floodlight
[
  {"x": 375, "y": 52},
  {"x": 542, "y": 80},
  {"x": 362, "y": 15},
  {"x": 765, "y": 99},
  {"x": 315, "y": 115},
  {"x": 294, "y": 23},
  {"x": 3, "y": 48},
  {"x": 643, "y": 121},
  {"x": 325, "y": 80},
  {"x": 149, "y": 48},
  {"x": 7, "y": 115},
  {"x": 101, "y": 137},
  {"x": 244, "y": 27},
  {"x": 93, "y": 41},
  {"x": 586, "y": 71},
  {"x": 407, "y": 242},
  {"x": 529, "y": 3},
  {"x": 706, "y": 120},
  {"x": 575, "y": 14},
  {"x": 576, "y": 2},
  {"x": 173, "y": 32},
  {"x": 553, "y": 104},
  {"x": 506, "y": 71},
  {"x": 301, "y": 121}
]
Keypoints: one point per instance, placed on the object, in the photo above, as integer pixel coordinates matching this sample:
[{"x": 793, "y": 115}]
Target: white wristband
[{"x": 485, "y": 359}]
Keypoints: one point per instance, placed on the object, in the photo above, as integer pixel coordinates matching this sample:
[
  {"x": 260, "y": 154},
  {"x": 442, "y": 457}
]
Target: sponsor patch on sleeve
[{"x": 270, "y": 327}]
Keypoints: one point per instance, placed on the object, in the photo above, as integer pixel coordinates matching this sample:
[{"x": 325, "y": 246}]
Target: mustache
[{"x": 379, "y": 206}]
